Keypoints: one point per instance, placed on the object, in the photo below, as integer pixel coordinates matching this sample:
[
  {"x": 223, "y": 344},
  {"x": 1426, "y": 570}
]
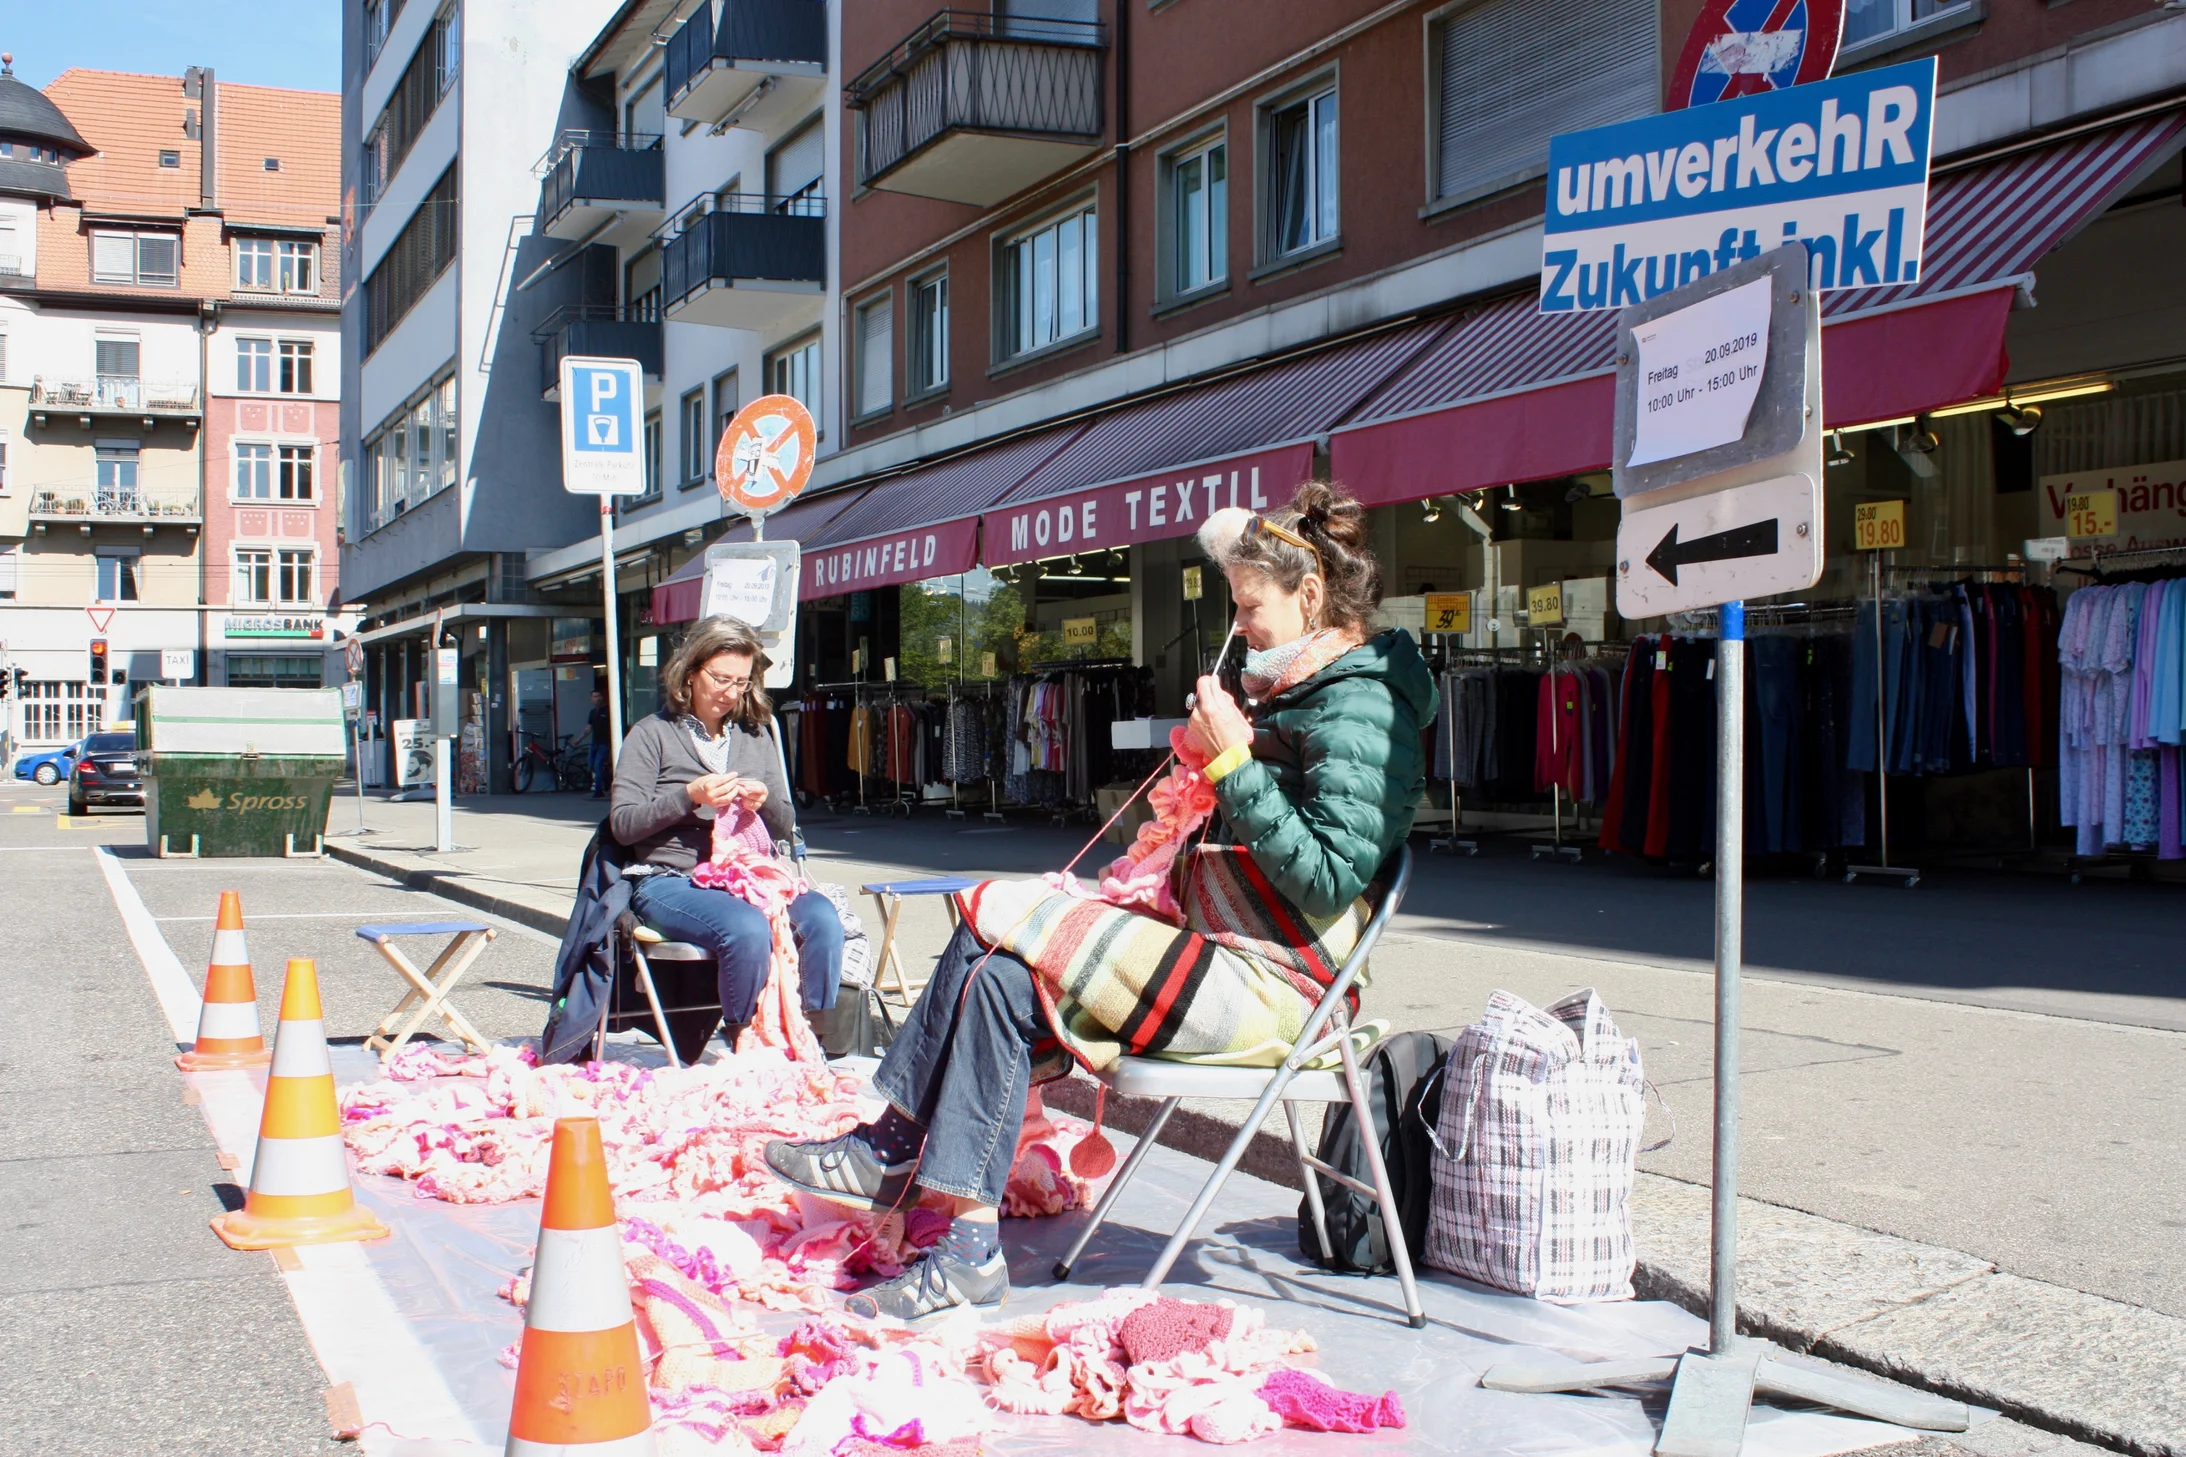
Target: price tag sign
[
  {"x": 986, "y": 665},
  {"x": 888, "y": 669},
  {"x": 945, "y": 649},
  {"x": 1080, "y": 632},
  {"x": 1545, "y": 605},
  {"x": 2091, "y": 514},
  {"x": 1191, "y": 584},
  {"x": 1449, "y": 612},
  {"x": 1878, "y": 525}
]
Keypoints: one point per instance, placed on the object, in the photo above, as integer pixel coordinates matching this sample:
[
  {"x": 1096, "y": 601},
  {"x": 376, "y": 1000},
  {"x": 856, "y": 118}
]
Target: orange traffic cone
[
  {"x": 299, "y": 1183},
  {"x": 227, "y": 1025},
  {"x": 579, "y": 1384}
]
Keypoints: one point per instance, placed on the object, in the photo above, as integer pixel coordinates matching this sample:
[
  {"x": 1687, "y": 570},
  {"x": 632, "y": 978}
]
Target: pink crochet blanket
[
  {"x": 743, "y": 864},
  {"x": 1182, "y": 802}
]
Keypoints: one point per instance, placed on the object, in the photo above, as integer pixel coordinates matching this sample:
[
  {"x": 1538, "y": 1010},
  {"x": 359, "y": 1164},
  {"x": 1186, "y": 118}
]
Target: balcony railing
[
  {"x": 973, "y": 107},
  {"x": 15, "y": 273},
  {"x": 115, "y": 503},
  {"x": 750, "y": 264},
  {"x": 610, "y": 331},
  {"x": 713, "y": 70},
  {"x": 114, "y": 394},
  {"x": 591, "y": 176}
]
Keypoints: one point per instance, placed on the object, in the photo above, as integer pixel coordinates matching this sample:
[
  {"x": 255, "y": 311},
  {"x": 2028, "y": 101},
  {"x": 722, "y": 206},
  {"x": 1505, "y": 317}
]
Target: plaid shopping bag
[{"x": 1534, "y": 1151}]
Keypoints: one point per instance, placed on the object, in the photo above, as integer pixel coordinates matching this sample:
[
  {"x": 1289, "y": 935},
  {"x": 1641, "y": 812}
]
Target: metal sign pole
[
  {"x": 614, "y": 661},
  {"x": 356, "y": 736},
  {"x": 1730, "y": 935}
]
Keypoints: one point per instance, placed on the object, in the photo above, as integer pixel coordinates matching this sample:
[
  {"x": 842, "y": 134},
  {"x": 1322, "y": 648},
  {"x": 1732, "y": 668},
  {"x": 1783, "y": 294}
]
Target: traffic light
[
  {"x": 98, "y": 660},
  {"x": 21, "y": 676}
]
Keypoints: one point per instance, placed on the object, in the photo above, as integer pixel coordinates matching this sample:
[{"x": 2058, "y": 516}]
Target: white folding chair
[{"x": 1291, "y": 1083}]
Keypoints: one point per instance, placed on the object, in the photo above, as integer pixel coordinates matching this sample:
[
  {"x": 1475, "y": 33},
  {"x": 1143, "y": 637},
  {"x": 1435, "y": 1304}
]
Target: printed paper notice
[
  {"x": 1700, "y": 369},
  {"x": 740, "y": 588}
]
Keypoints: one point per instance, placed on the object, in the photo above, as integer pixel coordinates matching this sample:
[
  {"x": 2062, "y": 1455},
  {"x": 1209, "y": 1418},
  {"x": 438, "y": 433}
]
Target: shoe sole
[
  {"x": 838, "y": 1196},
  {"x": 918, "y": 1320}
]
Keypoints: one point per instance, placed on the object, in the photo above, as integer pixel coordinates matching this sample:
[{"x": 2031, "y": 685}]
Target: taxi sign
[{"x": 766, "y": 453}]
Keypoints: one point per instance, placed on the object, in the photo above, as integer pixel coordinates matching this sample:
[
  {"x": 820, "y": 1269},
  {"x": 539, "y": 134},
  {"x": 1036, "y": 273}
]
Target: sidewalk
[{"x": 1943, "y": 1193}]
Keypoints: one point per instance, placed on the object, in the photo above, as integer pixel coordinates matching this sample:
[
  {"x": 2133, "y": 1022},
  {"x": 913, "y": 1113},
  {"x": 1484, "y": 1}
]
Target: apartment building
[
  {"x": 646, "y": 180},
  {"x": 1107, "y": 264},
  {"x": 168, "y": 376}
]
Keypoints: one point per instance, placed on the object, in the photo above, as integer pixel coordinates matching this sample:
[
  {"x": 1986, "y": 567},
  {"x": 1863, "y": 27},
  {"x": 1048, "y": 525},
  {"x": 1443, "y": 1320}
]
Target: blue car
[{"x": 50, "y": 766}]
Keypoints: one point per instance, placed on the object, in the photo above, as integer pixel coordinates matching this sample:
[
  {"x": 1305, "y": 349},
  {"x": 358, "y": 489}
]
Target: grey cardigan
[{"x": 652, "y": 814}]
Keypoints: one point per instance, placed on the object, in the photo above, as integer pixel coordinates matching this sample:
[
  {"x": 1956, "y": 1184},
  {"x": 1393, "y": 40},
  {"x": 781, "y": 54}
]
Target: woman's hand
[
  {"x": 1218, "y": 724},
  {"x": 752, "y": 793},
  {"x": 714, "y": 791}
]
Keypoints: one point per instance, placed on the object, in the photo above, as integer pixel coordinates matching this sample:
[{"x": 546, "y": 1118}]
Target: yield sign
[{"x": 100, "y": 617}]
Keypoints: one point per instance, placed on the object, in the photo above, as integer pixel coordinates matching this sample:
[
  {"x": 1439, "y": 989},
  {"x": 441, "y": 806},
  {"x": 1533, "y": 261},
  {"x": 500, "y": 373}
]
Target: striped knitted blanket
[{"x": 1232, "y": 985}]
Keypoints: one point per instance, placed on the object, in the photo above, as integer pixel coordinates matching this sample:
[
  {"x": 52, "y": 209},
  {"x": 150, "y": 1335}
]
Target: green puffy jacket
[{"x": 1336, "y": 767}]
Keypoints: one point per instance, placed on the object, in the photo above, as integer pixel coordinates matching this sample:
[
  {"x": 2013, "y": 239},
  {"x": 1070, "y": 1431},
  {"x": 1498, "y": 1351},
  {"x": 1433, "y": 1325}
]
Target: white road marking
[
  {"x": 170, "y": 983},
  {"x": 358, "y": 916}
]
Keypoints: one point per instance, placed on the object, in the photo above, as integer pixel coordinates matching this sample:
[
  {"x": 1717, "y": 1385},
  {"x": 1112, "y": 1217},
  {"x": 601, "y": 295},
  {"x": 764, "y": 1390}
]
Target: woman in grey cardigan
[{"x": 708, "y": 749}]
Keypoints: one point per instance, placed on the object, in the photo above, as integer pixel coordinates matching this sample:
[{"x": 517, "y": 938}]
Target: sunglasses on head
[{"x": 1261, "y": 526}]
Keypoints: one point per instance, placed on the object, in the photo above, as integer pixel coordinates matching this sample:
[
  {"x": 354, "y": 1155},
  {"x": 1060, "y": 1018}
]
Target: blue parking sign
[{"x": 602, "y": 441}]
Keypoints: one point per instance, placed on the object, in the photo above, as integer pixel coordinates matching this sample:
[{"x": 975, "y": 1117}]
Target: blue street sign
[
  {"x": 602, "y": 438},
  {"x": 1642, "y": 207}
]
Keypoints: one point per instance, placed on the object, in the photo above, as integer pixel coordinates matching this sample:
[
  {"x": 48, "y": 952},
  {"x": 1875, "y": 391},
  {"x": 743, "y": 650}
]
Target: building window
[
  {"x": 1199, "y": 217},
  {"x": 1049, "y": 292},
  {"x": 150, "y": 259},
  {"x": 11, "y": 562},
  {"x": 1301, "y": 173},
  {"x": 11, "y": 251},
  {"x": 372, "y": 167},
  {"x": 296, "y": 465},
  {"x": 653, "y": 455},
  {"x": 1866, "y": 20},
  {"x": 170, "y": 159},
  {"x": 267, "y": 670},
  {"x": 691, "y": 425},
  {"x": 117, "y": 578},
  {"x": 1506, "y": 75},
  {"x": 272, "y": 164},
  {"x": 295, "y": 375},
  {"x": 795, "y": 170},
  {"x": 411, "y": 457},
  {"x": 417, "y": 94},
  {"x": 254, "y": 366},
  {"x": 117, "y": 479},
  {"x": 927, "y": 360},
  {"x": 254, "y": 577},
  {"x": 293, "y": 577},
  {"x": 299, "y": 267},
  {"x": 876, "y": 344},
  {"x": 379, "y": 18},
  {"x": 421, "y": 252},
  {"x": 254, "y": 263},
  {"x": 115, "y": 363},
  {"x": 253, "y": 472},
  {"x": 725, "y": 392},
  {"x": 795, "y": 371}
]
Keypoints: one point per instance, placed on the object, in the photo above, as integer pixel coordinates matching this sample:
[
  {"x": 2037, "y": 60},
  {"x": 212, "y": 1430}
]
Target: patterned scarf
[{"x": 1284, "y": 667}]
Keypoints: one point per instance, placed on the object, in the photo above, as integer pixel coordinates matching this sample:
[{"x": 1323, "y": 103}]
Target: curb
[{"x": 453, "y": 887}]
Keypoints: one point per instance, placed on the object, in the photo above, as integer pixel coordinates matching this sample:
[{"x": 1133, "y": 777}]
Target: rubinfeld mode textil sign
[{"x": 1642, "y": 207}]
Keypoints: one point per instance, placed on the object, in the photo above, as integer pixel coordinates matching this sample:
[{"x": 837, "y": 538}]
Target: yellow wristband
[{"x": 1226, "y": 761}]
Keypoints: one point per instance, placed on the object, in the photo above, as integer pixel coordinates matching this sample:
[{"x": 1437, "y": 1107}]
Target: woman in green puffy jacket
[{"x": 1315, "y": 775}]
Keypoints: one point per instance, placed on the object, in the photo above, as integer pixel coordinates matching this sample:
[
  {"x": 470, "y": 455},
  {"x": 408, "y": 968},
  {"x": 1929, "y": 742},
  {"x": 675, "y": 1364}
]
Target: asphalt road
[{"x": 130, "y": 1328}]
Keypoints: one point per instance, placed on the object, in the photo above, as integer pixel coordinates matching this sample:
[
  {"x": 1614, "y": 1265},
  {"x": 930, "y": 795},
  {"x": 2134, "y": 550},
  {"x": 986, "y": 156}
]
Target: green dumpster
[{"x": 238, "y": 771}]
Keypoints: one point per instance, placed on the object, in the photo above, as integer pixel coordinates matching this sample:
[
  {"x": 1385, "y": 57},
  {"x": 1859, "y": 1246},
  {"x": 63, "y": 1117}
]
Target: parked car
[
  {"x": 106, "y": 774},
  {"x": 49, "y": 766}
]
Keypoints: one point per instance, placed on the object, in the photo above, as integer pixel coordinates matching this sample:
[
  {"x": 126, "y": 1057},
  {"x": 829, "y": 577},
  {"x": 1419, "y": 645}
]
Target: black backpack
[{"x": 1406, "y": 1097}]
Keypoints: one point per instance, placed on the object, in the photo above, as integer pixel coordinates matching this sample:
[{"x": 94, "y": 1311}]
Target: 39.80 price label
[{"x": 1878, "y": 525}]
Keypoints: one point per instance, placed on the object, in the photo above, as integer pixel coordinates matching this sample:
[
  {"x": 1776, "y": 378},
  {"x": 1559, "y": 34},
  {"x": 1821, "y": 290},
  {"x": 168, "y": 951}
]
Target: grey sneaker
[
  {"x": 844, "y": 1170},
  {"x": 935, "y": 1283}
]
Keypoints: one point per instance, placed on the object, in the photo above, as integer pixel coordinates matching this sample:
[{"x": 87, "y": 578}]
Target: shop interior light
[
  {"x": 2034, "y": 395},
  {"x": 1431, "y": 510},
  {"x": 1510, "y": 498},
  {"x": 1890, "y": 424},
  {"x": 1838, "y": 455},
  {"x": 1917, "y": 448}
]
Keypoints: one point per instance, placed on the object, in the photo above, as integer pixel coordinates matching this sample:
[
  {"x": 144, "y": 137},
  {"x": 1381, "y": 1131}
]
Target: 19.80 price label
[
  {"x": 1878, "y": 525},
  {"x": 2091, "y": 514}
]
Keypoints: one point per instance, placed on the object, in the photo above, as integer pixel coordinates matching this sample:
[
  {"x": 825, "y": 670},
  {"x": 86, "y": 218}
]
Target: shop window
[
  {"x": 1048, "y": 284},
  {"x": 795, "y": 371},
  {"x": 927, "y": 360},
  {"x": 1198, "y": 197},
  {"x": 875, "y": 346},
  {"x": 1299, "y": 148},
  {"x": 1506, "y": 75},
  {"x": 274, "y": 670}
]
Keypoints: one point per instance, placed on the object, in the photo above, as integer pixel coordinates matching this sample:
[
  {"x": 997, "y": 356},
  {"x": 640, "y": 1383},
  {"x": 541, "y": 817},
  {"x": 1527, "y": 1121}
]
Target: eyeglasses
[
  {"x": 727, "y": 685},
  {"x": 1260, "y": 525}
]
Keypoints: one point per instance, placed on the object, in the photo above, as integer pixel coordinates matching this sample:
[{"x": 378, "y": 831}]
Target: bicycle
[{"x": 567, "y": 768}]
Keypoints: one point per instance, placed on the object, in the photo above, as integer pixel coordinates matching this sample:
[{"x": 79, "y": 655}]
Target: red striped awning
[
  {"x": 677, "y": 599},
  {"x": 1511, "y": 394}
]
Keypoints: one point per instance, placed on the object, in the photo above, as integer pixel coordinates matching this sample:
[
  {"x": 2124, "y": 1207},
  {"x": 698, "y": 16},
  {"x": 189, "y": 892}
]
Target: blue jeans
[
  {"x": 736, "y": 932},
  {"x": 962, "y": 1065},
  {"x": 599, "y": 768}
]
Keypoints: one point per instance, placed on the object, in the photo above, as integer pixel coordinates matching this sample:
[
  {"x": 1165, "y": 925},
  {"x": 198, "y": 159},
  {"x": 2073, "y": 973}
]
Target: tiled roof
[{"x": 131, "y": 119}]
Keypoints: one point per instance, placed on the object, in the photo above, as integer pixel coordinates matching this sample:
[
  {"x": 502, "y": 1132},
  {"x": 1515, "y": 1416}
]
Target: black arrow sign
[{"x": 1669, "y": 554}]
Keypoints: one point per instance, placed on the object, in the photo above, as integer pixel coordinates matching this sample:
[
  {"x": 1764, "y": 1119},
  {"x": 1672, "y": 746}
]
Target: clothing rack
[
  {"x": 2143, "y": 556},
  {"x": 1535, "y": 654}
]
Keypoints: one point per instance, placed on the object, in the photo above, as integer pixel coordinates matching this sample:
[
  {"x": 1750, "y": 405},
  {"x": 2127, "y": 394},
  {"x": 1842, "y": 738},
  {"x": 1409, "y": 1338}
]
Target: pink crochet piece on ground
[
  {"x": 1169, "y": 1328},
  {"x": 1302, "y": 1399}
]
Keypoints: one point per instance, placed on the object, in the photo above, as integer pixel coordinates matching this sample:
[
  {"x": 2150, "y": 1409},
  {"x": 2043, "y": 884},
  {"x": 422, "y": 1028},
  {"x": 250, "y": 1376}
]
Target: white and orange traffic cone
[
  {"x": 579, "y": 1384},
  {"x": 299, "y": 1182},
  {"x": 227, "y": 1024}
]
